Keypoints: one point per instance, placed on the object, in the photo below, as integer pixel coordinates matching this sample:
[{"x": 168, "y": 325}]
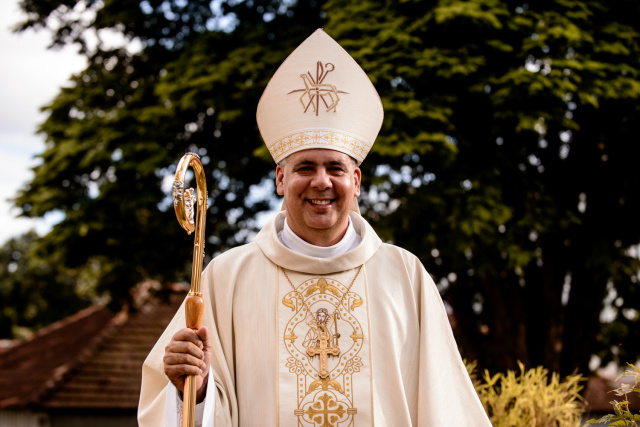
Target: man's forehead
[{"x": 319, "y": 156}]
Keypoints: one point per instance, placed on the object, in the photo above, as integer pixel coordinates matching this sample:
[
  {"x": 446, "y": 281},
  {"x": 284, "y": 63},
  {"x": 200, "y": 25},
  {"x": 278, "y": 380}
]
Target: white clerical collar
[{"x": 292, "y": 241}]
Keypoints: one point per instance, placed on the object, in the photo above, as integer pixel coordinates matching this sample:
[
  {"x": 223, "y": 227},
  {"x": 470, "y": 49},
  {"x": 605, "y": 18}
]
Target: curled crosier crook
[{"x": 183, "y": 203}]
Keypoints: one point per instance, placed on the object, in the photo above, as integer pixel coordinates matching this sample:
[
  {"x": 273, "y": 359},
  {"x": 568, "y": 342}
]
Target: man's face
[
  {"x": 322, "y": 317},
  {"x": 318, "y": 187}
]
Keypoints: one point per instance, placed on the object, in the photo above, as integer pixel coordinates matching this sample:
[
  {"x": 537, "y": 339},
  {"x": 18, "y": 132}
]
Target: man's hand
[{"x": 188, "y": 353}]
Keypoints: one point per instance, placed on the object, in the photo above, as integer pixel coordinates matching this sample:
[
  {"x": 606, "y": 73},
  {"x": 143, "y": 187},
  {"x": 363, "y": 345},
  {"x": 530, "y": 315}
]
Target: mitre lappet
[{"x": 319, "y": 98}]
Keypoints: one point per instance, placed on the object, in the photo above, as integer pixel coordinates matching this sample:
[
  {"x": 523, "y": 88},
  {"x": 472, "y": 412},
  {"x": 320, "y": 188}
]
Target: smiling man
[
  {"x": 317, "y": 322},
  {"x": 319, "y": 186}
]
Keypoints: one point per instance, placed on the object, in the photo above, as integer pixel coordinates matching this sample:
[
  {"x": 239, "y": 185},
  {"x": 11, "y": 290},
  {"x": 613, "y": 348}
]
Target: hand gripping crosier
[{"x": 183, "y": 202}]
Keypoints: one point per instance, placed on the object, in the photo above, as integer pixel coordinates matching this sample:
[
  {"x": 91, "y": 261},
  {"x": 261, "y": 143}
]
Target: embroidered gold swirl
[{"x": 288, "y": 303}]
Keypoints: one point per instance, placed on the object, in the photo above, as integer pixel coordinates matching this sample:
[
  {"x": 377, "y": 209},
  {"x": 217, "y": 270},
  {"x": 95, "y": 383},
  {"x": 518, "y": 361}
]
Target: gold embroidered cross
[
  {"x": 292, "y": 337},
  {"x": 356, "y": 337},
  {"x": 329, "y": 414},
  {"x": 323, "y": 350},
  {"x": 315, "y": 90}
]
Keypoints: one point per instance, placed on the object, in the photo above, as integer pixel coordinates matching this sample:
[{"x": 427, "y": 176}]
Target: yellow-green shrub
[{"x": 530, "y": 398}]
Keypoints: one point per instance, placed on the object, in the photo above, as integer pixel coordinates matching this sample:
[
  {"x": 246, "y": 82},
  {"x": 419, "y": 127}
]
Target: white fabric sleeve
[
  {"x": 172, "y": 407},
  {"x": 204, "y": 410},
  {"x": 208, "y": 406}
]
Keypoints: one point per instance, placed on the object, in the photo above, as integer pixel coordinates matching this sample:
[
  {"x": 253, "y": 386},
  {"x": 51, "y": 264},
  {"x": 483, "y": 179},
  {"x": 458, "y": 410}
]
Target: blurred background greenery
[{"x": 507, "y": 161}]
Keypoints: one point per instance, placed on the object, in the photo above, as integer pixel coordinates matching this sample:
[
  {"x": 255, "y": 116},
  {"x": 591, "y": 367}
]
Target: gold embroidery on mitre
[
  {"x": 315, "y": 90},
  {"x": 324, "y": 399},
  {"x": 332, "y": 139}
]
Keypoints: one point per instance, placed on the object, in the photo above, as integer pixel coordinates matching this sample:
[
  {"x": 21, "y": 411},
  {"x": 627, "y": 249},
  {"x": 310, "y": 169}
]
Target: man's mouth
[{"x": 319, "y": 202}]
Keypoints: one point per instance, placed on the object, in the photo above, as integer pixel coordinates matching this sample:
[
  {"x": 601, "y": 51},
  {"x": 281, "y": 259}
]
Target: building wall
[
  {"x": 11, "y": 418},
  {"x": 97, "y": 418}
]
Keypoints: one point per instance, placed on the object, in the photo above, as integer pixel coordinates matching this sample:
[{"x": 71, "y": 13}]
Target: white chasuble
[
  {"x": 324, "y": 370},
  {"x": 309, "y": 351}
]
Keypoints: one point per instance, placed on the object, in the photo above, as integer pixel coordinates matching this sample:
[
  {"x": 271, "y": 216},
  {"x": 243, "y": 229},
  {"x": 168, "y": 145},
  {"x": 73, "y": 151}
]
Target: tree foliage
[
  {"x": 35, "y": 292},
  {"x": 505, "y": 161},
  {"x": 509, "y": 153},
  {"x": 115, "y": 135}
]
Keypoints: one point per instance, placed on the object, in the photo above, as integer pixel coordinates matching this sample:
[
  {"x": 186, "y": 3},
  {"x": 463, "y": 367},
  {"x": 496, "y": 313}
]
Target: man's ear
[
  {"x": 280, "y": 180},
  {"x": 357, "y": 175}
]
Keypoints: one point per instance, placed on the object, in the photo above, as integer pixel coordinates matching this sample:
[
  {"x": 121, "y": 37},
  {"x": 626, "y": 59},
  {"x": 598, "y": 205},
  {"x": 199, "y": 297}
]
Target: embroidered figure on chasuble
[{"x": 324, "y": 326}]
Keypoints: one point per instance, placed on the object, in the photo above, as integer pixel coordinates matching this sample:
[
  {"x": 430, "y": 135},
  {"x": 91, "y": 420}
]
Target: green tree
[
  {"x": 507, "y": 163},
  {"x": 115, "y": 135},
  {"x": 35, "y": 292}
]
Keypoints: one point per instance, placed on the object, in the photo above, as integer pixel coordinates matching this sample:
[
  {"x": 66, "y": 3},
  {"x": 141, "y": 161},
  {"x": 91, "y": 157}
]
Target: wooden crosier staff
[{"x": 183, "y": 202}]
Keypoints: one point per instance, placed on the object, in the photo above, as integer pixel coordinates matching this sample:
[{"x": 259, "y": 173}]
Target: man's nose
[{"x": 321, "y": 180}]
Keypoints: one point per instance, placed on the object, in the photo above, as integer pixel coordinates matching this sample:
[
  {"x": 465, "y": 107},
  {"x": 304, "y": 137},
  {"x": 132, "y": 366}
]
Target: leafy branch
[{"x": 622, "y": 415}]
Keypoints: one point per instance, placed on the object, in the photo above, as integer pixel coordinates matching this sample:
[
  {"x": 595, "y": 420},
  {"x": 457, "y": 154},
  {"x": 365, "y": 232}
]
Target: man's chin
[{"x": 319, "y": 220}]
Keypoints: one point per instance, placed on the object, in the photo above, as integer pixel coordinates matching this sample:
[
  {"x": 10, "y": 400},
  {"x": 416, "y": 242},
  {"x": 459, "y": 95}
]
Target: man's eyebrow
[
  {"x": 336, "y": 162},
  {"x": 309, "y": 162},
  {"x": 305, "y": 162}
]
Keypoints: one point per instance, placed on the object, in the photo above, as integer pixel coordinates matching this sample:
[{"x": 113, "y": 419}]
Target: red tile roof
[
  {"x": 29, "y": 368},
  {"x": 112, "y": 379},
  {"x": 90, "y": 360}
]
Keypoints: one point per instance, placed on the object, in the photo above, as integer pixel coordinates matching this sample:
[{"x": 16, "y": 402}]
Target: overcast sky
[{"x": 30, "y": 77}]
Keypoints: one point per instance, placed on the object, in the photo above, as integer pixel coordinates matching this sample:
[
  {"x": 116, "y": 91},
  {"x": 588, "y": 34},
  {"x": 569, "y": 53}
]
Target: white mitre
[{"x": 319, "y": 98}]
